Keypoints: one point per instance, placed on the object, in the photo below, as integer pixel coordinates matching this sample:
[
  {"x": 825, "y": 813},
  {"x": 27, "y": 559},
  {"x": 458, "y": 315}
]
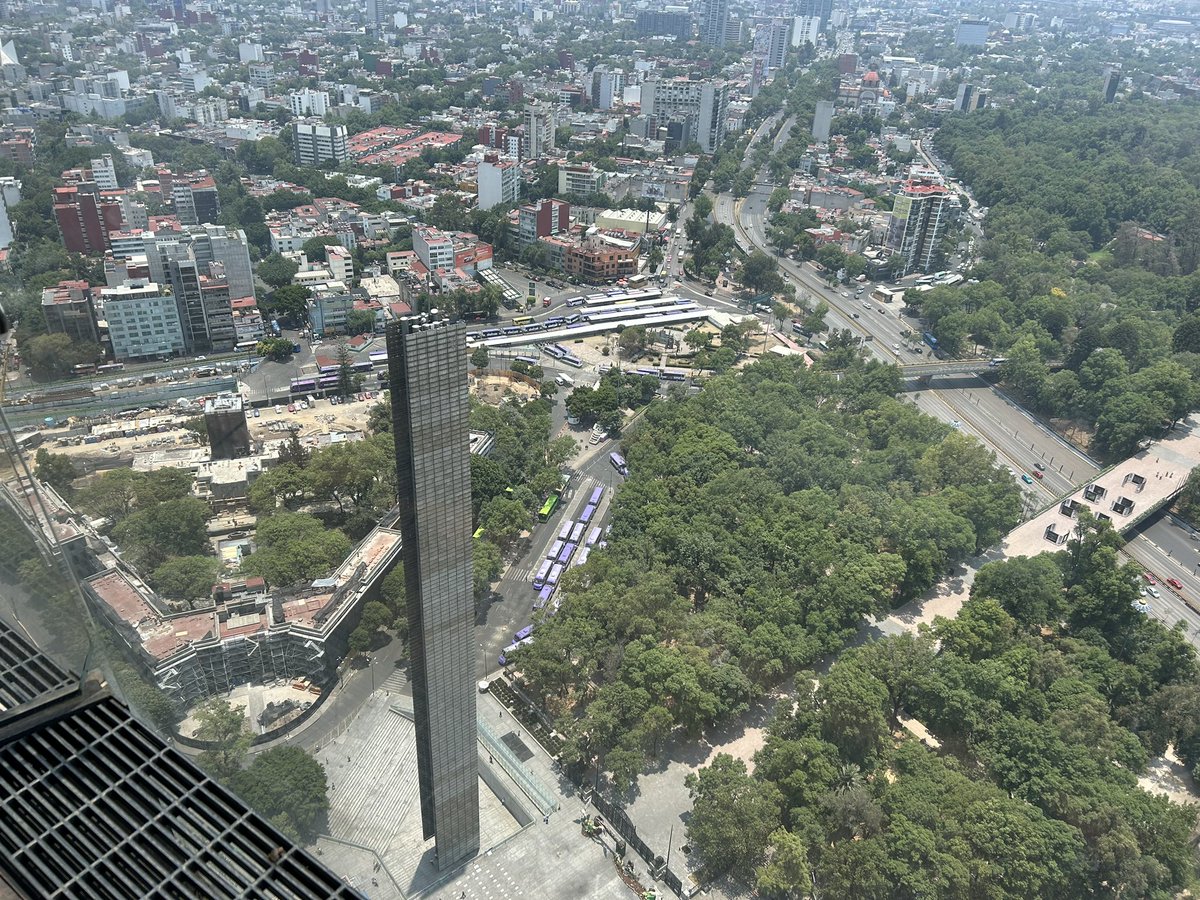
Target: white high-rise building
[
  {"x": 499, "y": 181},
  {"x": 700, "y": 107},
  {"x": 805, "y": 30},
  {"x": 822, "y": 121},
  {"x": 540, "y": 124},
  {"x": 778, "y": 31},
  {"x": 317, "y": 144},
  {"x": 10, "y": 196},
  {"x": 104, "y": 173},
  {"x": 309, "y": 103}
]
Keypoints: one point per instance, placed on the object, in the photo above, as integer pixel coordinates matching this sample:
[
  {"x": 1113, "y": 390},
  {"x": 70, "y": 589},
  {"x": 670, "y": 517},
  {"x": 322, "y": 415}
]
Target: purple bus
[
  {"x": 586, "y": 515},
  {"x": 539, "y": 580},
  {"x": 512, "y": 648},
  {"x": 618, "y": 463},
  {"x": 522, "y": 634},
  {"x": 565, "y": 532},
  {"x": 555, "y": 574},
  {"x": 568, "y": 551},
  {"x": 555, "y": 549},
  {"x": 596, "y": 495},
  {"x": 592, "y": 537},
  {"x": 577, "y": 533},
  {"x": 543, "y": 597}
]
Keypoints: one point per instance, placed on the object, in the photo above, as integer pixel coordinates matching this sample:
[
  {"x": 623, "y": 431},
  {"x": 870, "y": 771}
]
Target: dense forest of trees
[
  {"x": 1088, "y": 278},
  {"x": 763, "y": 519},
  {"x": 1045, "y": 698}
]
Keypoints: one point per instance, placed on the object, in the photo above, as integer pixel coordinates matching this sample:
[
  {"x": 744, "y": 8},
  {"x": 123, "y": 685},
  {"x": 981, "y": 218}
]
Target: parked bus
[
  {"x": 548, "y": 507},
  {"x": 596, "y": 495},
  {"x": 577, "y": 533},
  {"x": 109, "y": 368},
  {"x": 554, "y": 550},
  {"x": 522, "y": 321},
  {"x": 593, "y": 538},
  {"x": 572, "y": 361},
  {"x": 543, "y": 597},
  {"x": 528, "y": 360},
  {"x": 478, "y": 533},
  {"x": 586, "y": 515},
  {"x": 555, "y": 573},
  {"x": 512, "y": 648},
  {"x": 674, "y": 374},
  {"x": 618, "y": 463},
  {"x": 565, "y": 554},
  {"x": 582, "y": 557},
  {"x": 565, "y": 531},
  {"x": 522, "y": 634},
  {"x": 303, "y": 385},
  {"x": 539, "y": 579},
  {"x": 245, "y": 346},
  {"x": 576, "y": 301}
]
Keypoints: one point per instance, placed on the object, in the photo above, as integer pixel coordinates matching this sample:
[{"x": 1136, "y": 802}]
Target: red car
[
  {"x": 1038, "y": 475},
  {"x": 1150, "y": 579},
  {"x": 1175, "y": 583}
]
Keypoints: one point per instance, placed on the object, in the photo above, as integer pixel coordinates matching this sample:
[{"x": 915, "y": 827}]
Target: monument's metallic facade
[{"x": 427, "y": 366}]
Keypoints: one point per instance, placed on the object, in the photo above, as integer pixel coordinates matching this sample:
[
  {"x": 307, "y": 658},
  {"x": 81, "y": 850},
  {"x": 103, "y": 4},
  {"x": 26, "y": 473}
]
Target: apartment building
[
  {"x": 498, "y": 181},
  {"x": 697, "y": 108},
  {"x": 68, "y": 309},
  {"x": 317, "y": 144}
]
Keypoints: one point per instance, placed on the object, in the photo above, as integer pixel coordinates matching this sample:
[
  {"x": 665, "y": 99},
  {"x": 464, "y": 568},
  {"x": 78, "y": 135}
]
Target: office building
[
  {"x": 969, "y": 98},
  {"x": 317, "y": 144},
  {"x": 143, "y": 320},
  {"x": 777, "y": 33},
  {"x": 971, "y": 33},
  {"x": 68, "y": 309},
  {"x": 674, "y": 23},
  {"x": 714, "y": 19},
  {"x": 220, "y": 253},
  {"x": 820, "y": 9},
  {"x": 919, "y": 217},
  {"x": 539, "y": 129},
  {"x": 225, "y": 423},
  {"x": 805, "y": 31},
  {"x": 498, "y": 181},
  {"x": 328, "y": 308},
  {"x": 195, "y": 200},
  {"x": 822, "y": 121},
  {"x": 1112, "y": 83},
  {"x": 309, "y": 103},
  {"x": 427, "y": 364},
  {"x": 698, "y": 109},
  {"x": 205, "y": 311}
]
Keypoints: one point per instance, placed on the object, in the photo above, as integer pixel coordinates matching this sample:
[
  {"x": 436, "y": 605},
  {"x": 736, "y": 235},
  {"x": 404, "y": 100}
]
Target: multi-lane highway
[{"x": 1020, "y": 441}]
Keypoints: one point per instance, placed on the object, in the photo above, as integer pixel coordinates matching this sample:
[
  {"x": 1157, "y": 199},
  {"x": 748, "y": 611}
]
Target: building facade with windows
[
  {"x": 143, "y": 321},
  {"x": 428, "y": 375},
  {"x": 919, "y": 217}
]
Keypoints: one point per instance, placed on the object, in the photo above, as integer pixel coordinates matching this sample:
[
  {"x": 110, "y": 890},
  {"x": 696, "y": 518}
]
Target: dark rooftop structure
[{"x": 94, "y": 804}]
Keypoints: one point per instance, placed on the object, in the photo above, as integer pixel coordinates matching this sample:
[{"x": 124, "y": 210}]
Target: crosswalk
[
  {"x": 397, "y": 682},
  {"x": 523, "y": 571}
]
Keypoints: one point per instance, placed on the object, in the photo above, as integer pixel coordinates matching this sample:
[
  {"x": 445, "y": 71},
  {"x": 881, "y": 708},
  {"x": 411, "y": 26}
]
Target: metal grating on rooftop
[
  {"x": 94, "y": 805},
  {"x": 26, "y": 674}
]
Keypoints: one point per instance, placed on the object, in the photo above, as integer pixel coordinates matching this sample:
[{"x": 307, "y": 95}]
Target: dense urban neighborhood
[{"x": 587, "y": 449}]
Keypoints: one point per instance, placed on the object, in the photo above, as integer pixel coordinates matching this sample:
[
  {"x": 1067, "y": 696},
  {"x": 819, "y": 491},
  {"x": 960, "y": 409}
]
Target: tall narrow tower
[{"x": 427, "y": 365}]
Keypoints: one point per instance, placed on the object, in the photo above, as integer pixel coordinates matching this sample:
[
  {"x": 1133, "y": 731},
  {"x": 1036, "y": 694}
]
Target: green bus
[
  {"x": 548, "y": 508},
  {"x": 478, "y": 533}
]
